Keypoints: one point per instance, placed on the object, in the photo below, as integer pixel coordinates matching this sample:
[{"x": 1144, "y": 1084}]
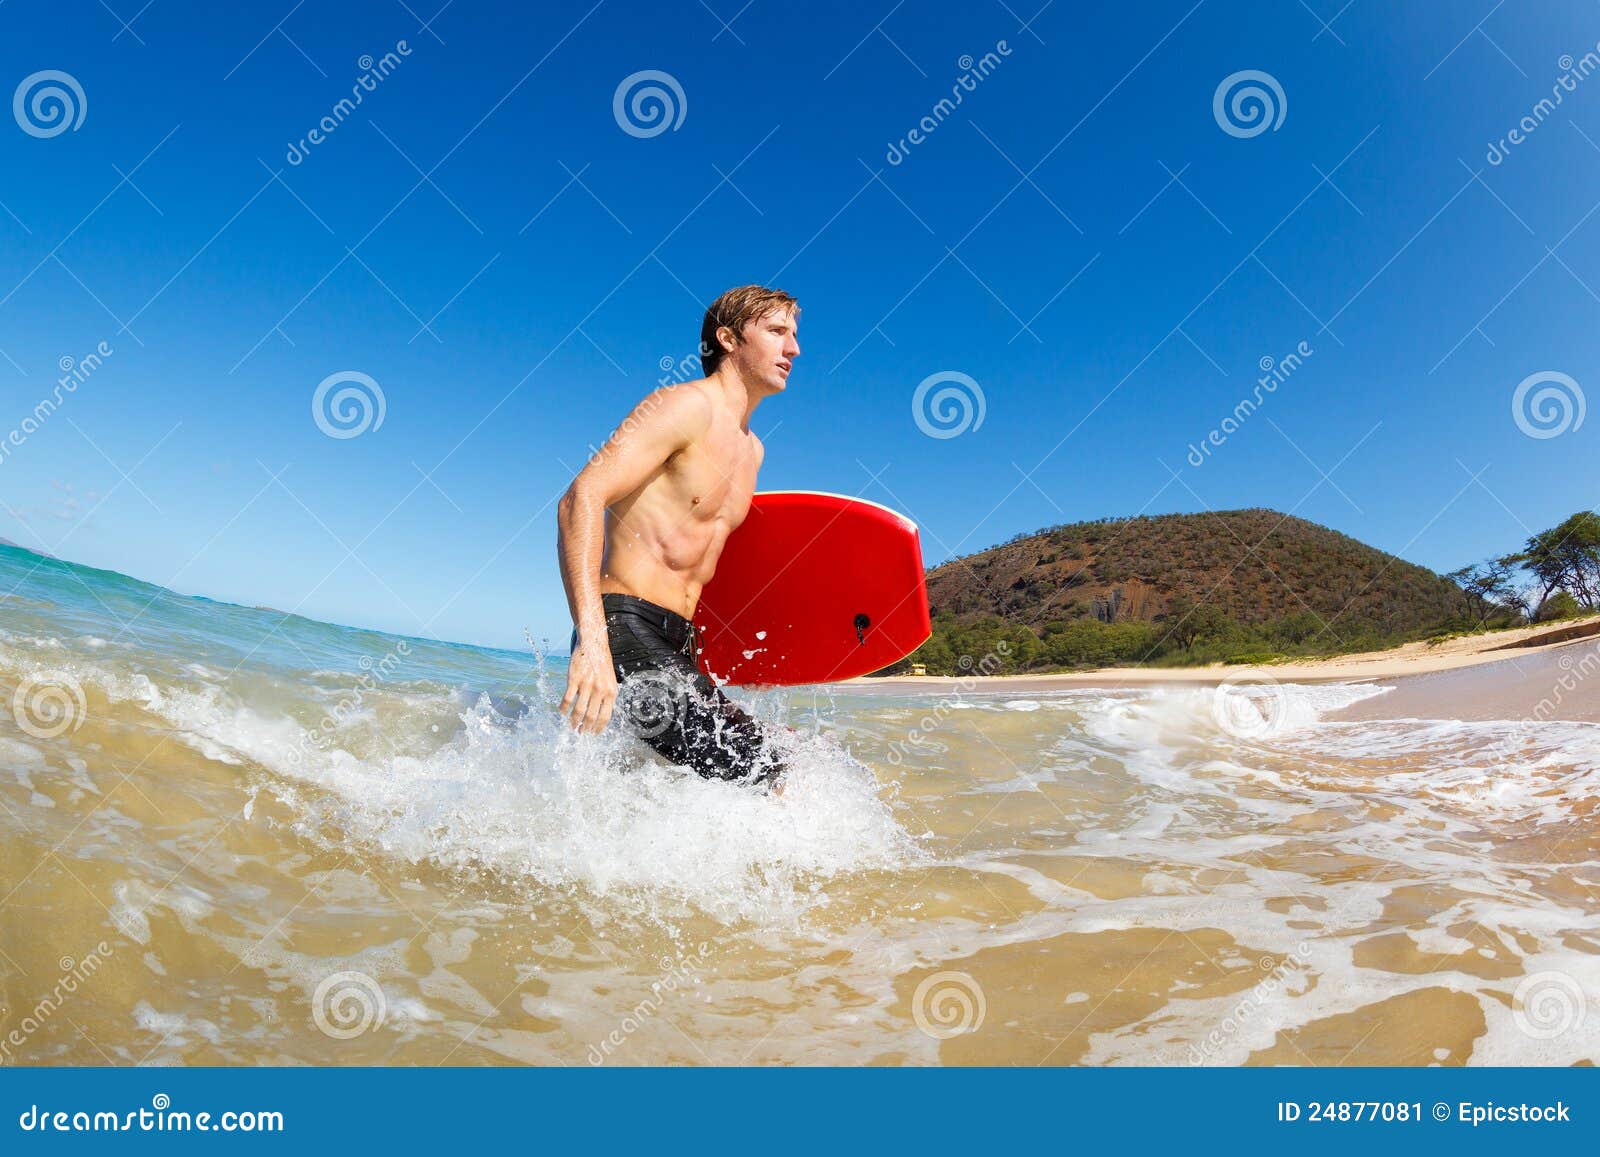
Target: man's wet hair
[{"x": 736, "y": 309}]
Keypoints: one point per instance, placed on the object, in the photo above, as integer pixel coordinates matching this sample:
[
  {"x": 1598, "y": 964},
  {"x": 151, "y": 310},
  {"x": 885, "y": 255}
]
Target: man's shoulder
[{"x": 684, "y": 401}]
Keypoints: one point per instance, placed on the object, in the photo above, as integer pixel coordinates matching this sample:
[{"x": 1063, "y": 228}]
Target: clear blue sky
[{"x": 557, "y": 259}]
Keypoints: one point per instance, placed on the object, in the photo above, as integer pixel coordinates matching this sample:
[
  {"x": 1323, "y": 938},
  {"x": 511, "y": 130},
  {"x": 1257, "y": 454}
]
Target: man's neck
[{"x": 740, "y": 399}]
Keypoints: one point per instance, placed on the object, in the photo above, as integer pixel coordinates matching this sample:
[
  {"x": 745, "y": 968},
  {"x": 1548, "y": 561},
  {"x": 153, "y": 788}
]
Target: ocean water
[{"x": 233, "y": 836}]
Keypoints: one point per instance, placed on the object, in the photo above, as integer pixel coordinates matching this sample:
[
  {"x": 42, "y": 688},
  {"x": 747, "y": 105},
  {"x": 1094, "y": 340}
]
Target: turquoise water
[
  {"x": 283, "y": 841},
  {"x": 45, "y": 596}
]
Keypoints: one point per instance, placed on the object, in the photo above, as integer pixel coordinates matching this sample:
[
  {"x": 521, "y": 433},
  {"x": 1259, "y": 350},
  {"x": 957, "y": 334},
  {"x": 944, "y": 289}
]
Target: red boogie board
[{"x": 813, "y": 588}]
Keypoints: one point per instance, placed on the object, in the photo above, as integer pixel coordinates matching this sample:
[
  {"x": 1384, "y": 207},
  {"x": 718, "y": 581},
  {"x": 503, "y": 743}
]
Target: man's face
[{"x": 768, "y": 350}]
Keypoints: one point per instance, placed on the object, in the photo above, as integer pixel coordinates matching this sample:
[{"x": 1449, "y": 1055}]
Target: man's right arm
[{"x": 662, "y": 424}]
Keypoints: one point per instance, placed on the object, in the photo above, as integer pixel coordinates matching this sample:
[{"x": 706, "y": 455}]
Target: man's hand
[{"x": 591, "y": 687}]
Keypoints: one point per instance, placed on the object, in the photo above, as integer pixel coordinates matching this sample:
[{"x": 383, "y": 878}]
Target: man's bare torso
[{"x": 663, "y": 540}]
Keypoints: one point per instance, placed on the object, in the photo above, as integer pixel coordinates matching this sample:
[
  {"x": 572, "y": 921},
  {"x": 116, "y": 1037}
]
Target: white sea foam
[
  {"x": 1327, "y": 842},
  {"x": 529, "y": 799}
]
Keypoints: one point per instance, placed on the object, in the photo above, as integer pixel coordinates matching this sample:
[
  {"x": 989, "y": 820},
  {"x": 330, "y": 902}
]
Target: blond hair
[{"x": 736, "y": 309}]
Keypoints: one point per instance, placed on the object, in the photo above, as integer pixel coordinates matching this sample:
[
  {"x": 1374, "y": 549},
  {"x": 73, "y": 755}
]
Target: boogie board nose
[{"x": 817, "y": 589}]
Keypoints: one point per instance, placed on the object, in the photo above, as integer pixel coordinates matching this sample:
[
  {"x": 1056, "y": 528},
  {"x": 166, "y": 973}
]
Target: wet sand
[
  {"x": 1510, "y": 649},
  {"x": 1559, "y": 683}
]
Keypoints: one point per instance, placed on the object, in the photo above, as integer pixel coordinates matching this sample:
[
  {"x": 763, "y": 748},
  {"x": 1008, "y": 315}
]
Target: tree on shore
[
  {"x": 1566, "y": 557},
  {"x": 1560, "y": 605},
  {"x": 1490, "y": 588},
  {"x": 1564, "y": 563}
]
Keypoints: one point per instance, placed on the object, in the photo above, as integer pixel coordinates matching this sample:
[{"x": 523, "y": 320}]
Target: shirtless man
[{"x": 640, "y": 532}]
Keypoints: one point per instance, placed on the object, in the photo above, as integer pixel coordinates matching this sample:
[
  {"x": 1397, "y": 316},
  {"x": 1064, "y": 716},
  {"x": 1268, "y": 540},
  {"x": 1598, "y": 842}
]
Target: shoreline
[{"x": 1417, "y": 658}]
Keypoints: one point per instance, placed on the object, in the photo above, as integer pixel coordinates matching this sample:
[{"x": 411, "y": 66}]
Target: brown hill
[{"x": 1254, "y": 567}]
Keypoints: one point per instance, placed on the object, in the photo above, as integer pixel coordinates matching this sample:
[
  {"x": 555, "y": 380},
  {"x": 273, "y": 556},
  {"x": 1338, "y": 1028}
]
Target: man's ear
[{"x": 729, "y": 341}]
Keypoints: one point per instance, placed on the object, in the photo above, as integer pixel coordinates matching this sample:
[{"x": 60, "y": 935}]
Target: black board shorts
[{"x": 665, "y": 700}]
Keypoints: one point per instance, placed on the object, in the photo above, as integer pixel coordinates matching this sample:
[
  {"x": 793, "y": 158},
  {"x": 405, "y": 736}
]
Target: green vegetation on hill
[{"x": 1231, "y": 586}]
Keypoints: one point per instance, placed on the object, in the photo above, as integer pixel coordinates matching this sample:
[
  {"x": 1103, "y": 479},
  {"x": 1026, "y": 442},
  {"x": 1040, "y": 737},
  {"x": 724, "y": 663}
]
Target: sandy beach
[{"x": 1421, "y": 658}]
